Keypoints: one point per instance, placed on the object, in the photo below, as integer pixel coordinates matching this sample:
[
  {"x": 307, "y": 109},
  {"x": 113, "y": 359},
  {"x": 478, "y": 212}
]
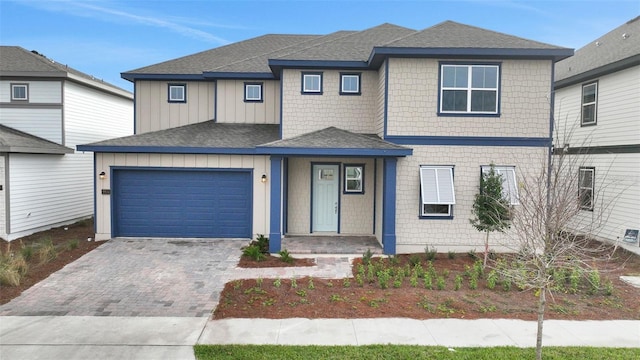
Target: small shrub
[
  {"x": 478, "y": 268},
  {"x": 430, "y": 253},
  {"x": 492, "y": 279},
  {"x": 366, "y": 257},
  {"x": 73, "y": 244},
  {"x": 440, "y": 283},
  {"x": 413, "y": 281},
  {"x": 451, "y": 255},
  {"x": 506, "y": 284},
  {"x": 414, "y": 260},
  {"x": 46, "y": 251},
  {"x": 301, "y": 293},
  {"x": 574, "y": 279},
  {"x": 594, "y": 281},
  {"x": 285, "y": 256},
  {"x": 277, "y": 283},
  {"x": 608, "y": 287},
  {"x": 310, "y": 285},
  {"x": 397, "y": 282},
  {"x": 262, "y": 242},
  {"x": 418, "y": 270},
  {"x": 371, "y": 273},
  {"x": 346, "y": 283},
  {"x": 12, "y": 269},
  {"x": 359, "y": 280},
  {"x": 253, "y": 252},
  {"x": 457, "y": 282},
  {"x": 428, "y": 282},
  {"x": 383, "y": 278},
  {"x": 259, "y": 282},
  {"x": 26, "y": 252},
  {"x": 473, "y": 282},
  {"x": 336, "y": 298},
  {"x": 472, "y": 254},
  {"x": 294, "y": 283},
  {"x": 394, "y": 260}
]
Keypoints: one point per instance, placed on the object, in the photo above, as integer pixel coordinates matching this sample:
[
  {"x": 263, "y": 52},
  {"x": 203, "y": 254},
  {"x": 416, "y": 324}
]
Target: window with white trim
[
  {"x": 311, "y": 83},
  {"x": 509, "y": 182},
  {"x": 177, "y": 93},
  {"x": 253, "y": 92},
  {"x": 469, "y": 89},
  {"x": 19, "y": 92},
  {"x": 586, "y": 187},
  {"x": 437, "y": 194},
  {"x": 349, "y": 84},
  {"x": 589, "y": 104},
  {"x": 354, "y": 179}
]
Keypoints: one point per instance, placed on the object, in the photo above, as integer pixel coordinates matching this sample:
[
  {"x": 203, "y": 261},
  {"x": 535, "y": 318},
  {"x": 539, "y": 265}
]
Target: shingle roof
[
  {"x": 15, "y": 141},
  {"x": 620, "y": 46},
  {"x": 17, "y": 61},
  {"x": 208, "y": 134}
]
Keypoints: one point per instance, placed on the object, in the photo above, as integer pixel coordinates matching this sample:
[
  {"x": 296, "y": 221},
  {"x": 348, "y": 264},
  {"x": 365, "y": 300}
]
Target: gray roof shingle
[
  {"x": 619, "y": 45},
  {"x": 334, "y": 138},
  {"x": 15, "y": 141}
]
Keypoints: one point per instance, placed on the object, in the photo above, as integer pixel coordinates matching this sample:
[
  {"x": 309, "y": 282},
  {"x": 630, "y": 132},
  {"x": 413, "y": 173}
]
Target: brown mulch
[
  {"x": 344, "y": 298},
  {"x": 60, "y": 237},
  {"x": 272, "y": 261}
]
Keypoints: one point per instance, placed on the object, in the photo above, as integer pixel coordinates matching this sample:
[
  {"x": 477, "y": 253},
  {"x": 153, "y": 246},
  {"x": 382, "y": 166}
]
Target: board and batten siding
[
  {"x": 154, "y": 111},
  {"x": 618, "y": 111},
  {"x": 40, "y": 92},
  {"x": 259, "y": 164},
  {"x": 233, "y": 109}
]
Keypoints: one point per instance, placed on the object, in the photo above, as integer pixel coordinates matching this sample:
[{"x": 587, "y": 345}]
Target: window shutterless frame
[
  {"x": 353, "y": 179},
  {"x": 350, "y": 83},
  {"x": 177, "y": 93},
  {"x": 589, "y": 102},
  {"x": 586, "y": 186},
  {"x": 437, "y": 193},
  {"x": 469, "y": 89},
  {"x": 252, "y": 92},
  {"x": 19, "y": 92},
  {"x": 509, "y": 182},
  {"x": 311, "y": 83}
]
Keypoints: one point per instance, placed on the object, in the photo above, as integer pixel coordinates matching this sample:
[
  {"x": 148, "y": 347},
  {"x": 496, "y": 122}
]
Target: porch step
[{"x": 353, "y": 245}]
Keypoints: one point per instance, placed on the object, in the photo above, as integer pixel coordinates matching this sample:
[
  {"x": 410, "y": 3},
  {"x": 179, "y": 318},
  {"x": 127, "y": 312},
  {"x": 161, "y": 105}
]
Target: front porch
[{"x": 352, "y": 245}]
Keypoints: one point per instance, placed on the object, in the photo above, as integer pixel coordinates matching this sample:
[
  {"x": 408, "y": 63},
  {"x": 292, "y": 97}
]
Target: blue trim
[
  {"x": 261, "y": 92},
  {"x": 277, "y": 65},
  {"x": 275, "y": 221},
  {"x": 305, "y": 73},
  {"x": 352, "y": 93},
  {"x": 281, "y": 93},
  {"x": 135, "y": 93},
  {"x": 375, "y": 192},
  {"x": 95, "y": 195},
  {"x": 285, "y": 196},
  {"x": 470, "y": 64},
  {"x": 313, "y": 163},
  {"x": 238, "y": 75},
  {"x": 386, "y": 98},
  {"x": 215, "y": 101},
  {"x": 344, "y": 184},
  {"x": 171, "y": 77},
  {"x": 389, "y": 206},
  {"x": 469, "y": 141},
  {"x": 334, "y": 151},
  {"x": 168, "y": 149},
  {"x": 112, "y": 205},
  {"x": 184, "y": 90}
]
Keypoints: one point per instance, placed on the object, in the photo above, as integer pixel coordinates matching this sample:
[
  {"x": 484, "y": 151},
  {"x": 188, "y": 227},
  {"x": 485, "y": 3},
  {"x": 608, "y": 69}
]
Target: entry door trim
[{"x": 313, "y": 164}]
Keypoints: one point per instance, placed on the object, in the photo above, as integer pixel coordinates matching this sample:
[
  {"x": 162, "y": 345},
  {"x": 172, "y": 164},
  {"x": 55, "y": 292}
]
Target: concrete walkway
[{"x": 82, "y": 337}]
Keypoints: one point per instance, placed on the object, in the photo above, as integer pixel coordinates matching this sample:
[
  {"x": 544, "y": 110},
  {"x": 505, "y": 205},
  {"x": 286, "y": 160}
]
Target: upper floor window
[
  {"x": 354, "y": 179},
  {"x": 437, "y": 195},
  {"x": 509, "y": 183},
  {"x": 349, "y": 84},
  {"x": 589, "y": 103},
  {"x": 177, "y": 93},
  {"x": 253, "y": 92},
  {"x": 19, "y": 92},
  {"x": 586, "y": 187},
  {"x": 311, "y": 83},
  {"x": 469, "y": 89}
]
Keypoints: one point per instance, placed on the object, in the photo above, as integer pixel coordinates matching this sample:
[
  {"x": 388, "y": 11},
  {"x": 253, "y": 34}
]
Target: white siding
[
  {"x": 45, "y": 123},
  {"x": 48, "y": 190},
  {"x": 618, "y": 112},
  {"x": 259, "y": 164},
  {"x": 3, "y": 191},
  {"x": 40, "y": 92}
]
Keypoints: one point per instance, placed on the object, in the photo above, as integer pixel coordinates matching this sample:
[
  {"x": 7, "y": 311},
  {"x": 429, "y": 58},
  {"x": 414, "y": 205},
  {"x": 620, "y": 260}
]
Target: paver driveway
[{"x": 142, "y": 277}]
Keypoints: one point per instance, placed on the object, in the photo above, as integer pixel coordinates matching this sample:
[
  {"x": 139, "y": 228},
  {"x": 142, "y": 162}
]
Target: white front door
[{"x": 325, "y": 190}]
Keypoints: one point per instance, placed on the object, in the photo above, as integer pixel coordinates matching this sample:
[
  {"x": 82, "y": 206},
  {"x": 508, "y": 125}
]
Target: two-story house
[
  {"x": 597, "y": 108},
  {"x": 382, "y": 132},
  {"x": 46, "y": 109}
]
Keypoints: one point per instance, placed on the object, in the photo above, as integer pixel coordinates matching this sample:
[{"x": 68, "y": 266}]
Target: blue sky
[{"x": 106, "y": 37}]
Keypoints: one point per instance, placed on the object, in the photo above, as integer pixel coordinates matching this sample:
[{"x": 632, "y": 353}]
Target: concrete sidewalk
[{"x": 82, "y": 337}]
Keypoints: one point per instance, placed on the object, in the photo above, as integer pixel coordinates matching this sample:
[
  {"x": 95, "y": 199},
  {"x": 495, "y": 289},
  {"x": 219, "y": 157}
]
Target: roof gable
[{"x": 16, "y": 141}]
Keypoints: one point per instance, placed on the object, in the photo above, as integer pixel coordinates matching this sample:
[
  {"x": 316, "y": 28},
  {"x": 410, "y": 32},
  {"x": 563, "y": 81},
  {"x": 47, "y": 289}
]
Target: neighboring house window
[
  {"x": 585, "y": 187},
  {"x": 19, "y": 92},
  {"x": 354, "y": 179},
  {"x": 469, "y": 89},
  {"x": 311, "y": 83},
  {"x": 589, "y": 104},
  {"x": 509, "y": 183},
  {"x": 177, "y": 93},
  {"x": 436, "y": 191},
  {"x": 253, "y": 92},
  {"x": 349, "y": 84}
]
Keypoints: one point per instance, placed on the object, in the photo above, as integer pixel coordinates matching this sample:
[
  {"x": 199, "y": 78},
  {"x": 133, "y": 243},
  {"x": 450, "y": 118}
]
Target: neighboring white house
[
  {"x": 46, "y": 109},
  {"x": 597, "y": 109}
]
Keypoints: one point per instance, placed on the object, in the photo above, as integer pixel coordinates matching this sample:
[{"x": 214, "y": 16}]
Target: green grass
[{"x": 379, "y": 352}]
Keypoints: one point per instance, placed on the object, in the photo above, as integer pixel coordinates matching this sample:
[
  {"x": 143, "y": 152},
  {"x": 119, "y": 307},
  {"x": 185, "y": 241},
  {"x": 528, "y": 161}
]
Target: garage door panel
[{"x": 174, "y": 203}]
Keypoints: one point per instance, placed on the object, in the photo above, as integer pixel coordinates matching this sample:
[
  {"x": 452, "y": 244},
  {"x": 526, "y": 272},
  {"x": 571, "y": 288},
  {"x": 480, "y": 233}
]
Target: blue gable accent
[
  {"x": 334, "y": 151},
  {"x": 469, "y": 141},
  {"x": 275, "y": 210},
  {"x": 389, "y": 206}
]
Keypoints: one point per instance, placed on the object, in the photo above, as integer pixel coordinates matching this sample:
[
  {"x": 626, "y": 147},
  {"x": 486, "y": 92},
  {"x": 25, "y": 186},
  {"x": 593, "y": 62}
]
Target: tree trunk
[
  {"x": 486, "y": 249},
  {"x": 542, "y": 301}
]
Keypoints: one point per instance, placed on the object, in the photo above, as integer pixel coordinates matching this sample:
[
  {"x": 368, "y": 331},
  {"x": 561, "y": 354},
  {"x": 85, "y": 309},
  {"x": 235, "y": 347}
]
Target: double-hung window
[
  {"x": 349, "y": 84},
  {"x": 437, "y": 194},
  {"x": 589, "y": 104},
  {"x": 469, "y": 89},
  {"x": 177, "y": 93},
  {"x": 354, "y": 178},
  {"x": 585, "y": 187},
  {"x": 19, "y": 92},
  {"x": 509, "y": 183},
  {"x": 311, "y": 83},
  {"x": 253, "y": 92}
]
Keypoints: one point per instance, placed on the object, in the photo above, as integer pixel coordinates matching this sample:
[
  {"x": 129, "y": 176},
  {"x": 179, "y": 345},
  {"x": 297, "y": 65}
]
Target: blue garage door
[{"x": 182, "y": 203}]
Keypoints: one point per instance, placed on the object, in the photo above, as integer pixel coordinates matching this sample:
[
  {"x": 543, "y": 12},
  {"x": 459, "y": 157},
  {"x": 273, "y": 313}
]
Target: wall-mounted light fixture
[
  {"x": 102, "y": 175},
  {"x": 263, "y": 179}
]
